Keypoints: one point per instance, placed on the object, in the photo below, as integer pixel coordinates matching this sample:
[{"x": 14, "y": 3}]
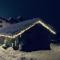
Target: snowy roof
[
  {"x": 13, "y": 20},
  {"x": 17, "y": 29}
]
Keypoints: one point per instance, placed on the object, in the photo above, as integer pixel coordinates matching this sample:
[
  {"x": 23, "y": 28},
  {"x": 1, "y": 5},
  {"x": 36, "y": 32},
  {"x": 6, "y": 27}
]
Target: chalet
[{"x": 29, "y": 35}]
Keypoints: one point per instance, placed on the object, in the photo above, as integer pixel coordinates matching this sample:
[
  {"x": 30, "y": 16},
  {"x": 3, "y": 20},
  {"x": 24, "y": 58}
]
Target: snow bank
[{"x": 10, "y": 54}]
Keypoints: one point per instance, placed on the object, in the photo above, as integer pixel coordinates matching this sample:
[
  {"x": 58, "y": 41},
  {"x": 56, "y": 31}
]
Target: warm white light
[
  {"x": 6, "y": 36},
  {"x": 47, "y": 27},
  {"x": 39, "y": 21}
]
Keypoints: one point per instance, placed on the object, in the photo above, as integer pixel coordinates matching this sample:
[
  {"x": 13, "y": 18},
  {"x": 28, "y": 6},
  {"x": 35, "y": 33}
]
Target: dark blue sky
[
  {"x": 26, "y": 7},
  {"x": 46, "y": 9}
]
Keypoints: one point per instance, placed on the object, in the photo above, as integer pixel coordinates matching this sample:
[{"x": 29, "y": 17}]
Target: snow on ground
[{"x": 10, "y": 54}]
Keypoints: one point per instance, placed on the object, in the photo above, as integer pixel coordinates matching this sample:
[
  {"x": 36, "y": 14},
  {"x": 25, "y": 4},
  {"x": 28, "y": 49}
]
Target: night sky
[{"x": 45, "y": 9}]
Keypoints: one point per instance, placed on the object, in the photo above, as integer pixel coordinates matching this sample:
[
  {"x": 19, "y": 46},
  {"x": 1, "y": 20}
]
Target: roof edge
[{"x": 40, "y": 21}]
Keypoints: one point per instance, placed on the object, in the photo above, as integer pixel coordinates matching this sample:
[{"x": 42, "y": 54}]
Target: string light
[{"x": 38, "y": 21}]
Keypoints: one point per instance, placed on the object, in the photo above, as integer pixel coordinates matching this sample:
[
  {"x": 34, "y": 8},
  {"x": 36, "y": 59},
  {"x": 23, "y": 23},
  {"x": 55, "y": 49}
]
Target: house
[{"x": 29, "y": 35}]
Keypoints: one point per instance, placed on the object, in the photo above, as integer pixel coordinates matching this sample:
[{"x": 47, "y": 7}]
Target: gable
[{"x": 37, "y": 29}]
